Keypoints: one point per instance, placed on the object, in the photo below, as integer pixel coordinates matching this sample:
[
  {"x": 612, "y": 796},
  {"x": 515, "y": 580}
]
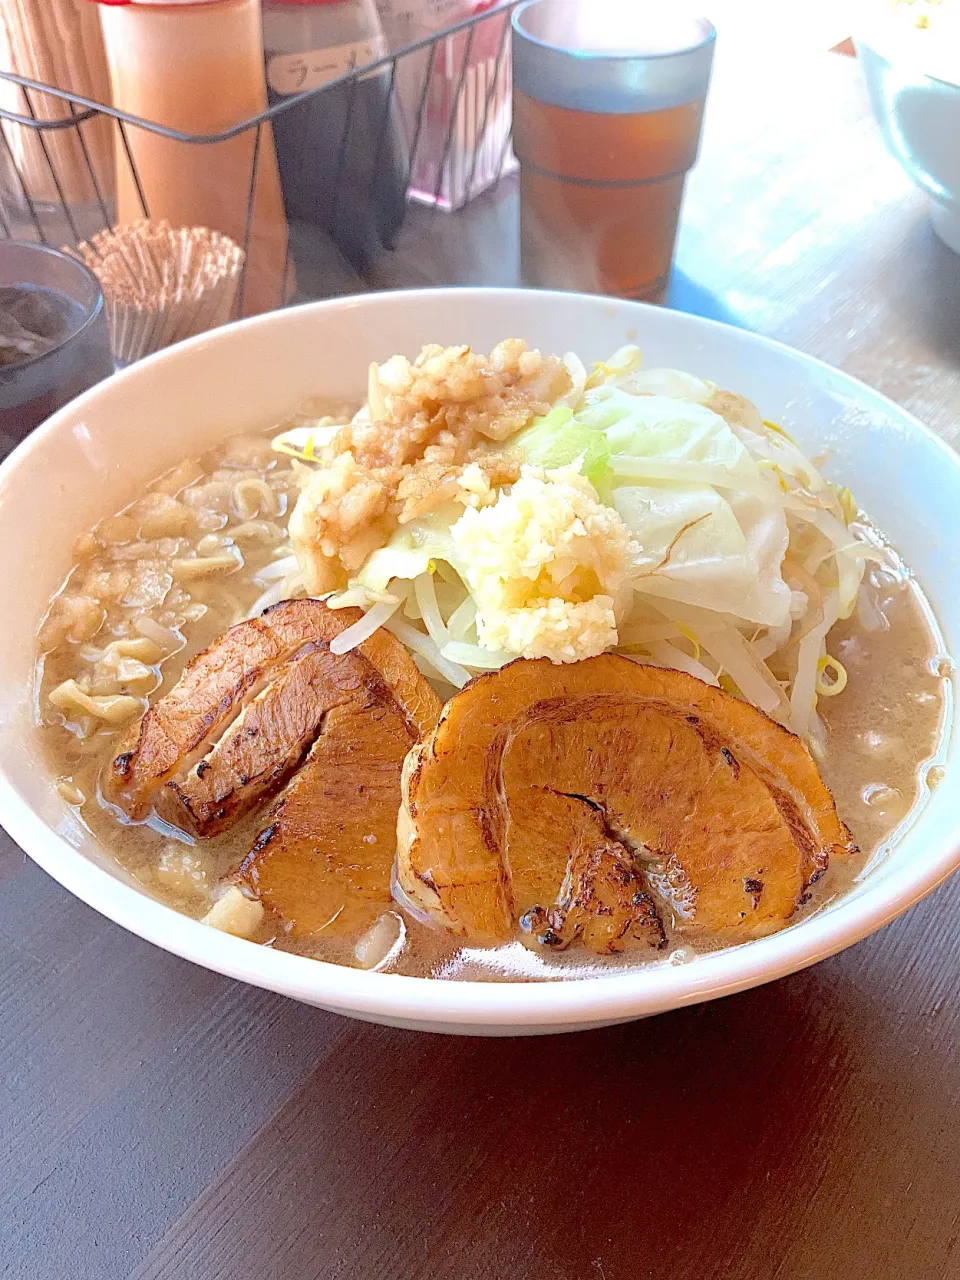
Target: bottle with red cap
[
  {"x": 197, "y": 66},
  {"x": 343, "y": 161}
]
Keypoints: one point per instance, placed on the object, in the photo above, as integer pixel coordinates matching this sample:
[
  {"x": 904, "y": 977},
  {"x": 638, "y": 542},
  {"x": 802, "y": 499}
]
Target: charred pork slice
[
  {"x": 324, "y": 860},
  {"x": 578, "y": 803},
  {"x": 247, "y": 710},
  {"x": 179, "y": 729},
  {"x": 264, "y": 745}
]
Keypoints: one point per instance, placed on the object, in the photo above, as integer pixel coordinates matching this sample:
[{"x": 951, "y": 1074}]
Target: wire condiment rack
[{"x": 451, "y": 93}]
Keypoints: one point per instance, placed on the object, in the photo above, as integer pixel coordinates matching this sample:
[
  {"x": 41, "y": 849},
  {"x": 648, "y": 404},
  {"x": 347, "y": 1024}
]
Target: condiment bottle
[
  {"x": 343, "y": 161},
  {"x": 197, "y": 66}
]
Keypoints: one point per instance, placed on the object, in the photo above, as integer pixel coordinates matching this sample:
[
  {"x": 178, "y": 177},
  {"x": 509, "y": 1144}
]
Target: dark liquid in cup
[
  {"x": 44, "y": 358},
  {"x": 34, "y": 320}
]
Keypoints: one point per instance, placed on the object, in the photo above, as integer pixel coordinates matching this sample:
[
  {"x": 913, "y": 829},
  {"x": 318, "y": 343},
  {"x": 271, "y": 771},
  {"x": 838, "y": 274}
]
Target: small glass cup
[
  {"x": 51, "y": 314},
  {"x": 607, "y": 112}
]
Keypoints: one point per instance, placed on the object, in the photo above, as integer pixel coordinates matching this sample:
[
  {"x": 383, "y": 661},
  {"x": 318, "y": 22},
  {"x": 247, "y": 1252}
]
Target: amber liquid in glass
[{"x": 601, "y": 193}]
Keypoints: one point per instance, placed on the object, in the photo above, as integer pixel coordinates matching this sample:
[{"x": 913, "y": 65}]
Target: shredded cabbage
[
  {"x": 409, "y": 553},
  {"x": 558, "y": 440}
]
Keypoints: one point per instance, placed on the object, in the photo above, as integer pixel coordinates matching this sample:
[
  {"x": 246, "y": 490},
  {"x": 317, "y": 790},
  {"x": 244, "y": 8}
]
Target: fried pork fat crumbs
[{"x": 437, "y": 423}]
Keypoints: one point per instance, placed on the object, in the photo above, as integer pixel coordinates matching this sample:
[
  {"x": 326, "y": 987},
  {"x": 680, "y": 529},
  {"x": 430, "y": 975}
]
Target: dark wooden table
[{"x": 160, "y": 1121}]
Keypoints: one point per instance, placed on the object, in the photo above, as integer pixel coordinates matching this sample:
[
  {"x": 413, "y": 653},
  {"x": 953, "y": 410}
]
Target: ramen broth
[{"x": 206, "y": 546}]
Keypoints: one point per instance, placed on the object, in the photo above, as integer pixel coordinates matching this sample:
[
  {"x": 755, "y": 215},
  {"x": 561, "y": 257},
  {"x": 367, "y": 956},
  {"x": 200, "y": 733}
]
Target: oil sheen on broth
[{"x": 206, "y": 546}]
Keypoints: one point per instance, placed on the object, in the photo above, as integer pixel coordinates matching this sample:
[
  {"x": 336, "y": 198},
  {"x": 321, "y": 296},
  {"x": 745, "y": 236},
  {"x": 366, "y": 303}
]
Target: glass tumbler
[
  {"x": 608, "y": 106},
  {"x": 54, "y": 335}
]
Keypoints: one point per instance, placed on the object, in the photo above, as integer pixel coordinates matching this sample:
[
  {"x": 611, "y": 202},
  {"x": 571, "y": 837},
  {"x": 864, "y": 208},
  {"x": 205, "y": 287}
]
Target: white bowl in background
[
  {"x": 913, "y": 82},
  {"x": 98, "y": 452}
]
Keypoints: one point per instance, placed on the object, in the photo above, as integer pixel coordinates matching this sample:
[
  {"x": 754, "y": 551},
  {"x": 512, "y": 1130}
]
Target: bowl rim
[
  {"x": 457, "y": 1004},
  {"x": 882, "y": 42}
]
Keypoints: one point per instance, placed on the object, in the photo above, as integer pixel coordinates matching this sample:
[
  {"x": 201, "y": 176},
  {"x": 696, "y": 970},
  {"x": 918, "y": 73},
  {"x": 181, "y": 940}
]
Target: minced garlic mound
[
  {"x": 546, "y": 564},
  {"x": 432, "y": 433}
]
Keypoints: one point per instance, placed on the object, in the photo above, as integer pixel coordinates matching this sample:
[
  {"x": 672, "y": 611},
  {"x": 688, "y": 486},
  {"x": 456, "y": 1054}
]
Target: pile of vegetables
[{"x": 656, "y": 517}]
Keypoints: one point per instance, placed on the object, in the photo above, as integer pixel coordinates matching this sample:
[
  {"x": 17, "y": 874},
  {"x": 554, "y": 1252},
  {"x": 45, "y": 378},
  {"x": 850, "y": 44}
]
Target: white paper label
[{"x": 289, "y": 73}]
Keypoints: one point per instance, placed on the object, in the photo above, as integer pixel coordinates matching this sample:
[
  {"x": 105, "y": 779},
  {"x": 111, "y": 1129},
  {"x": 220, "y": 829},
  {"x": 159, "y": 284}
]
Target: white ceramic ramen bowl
[{"x": 96, "y": 454}]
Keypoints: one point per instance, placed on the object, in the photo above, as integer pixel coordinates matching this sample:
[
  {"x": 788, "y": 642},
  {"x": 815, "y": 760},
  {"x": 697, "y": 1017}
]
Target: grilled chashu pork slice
[
  {"x": 270, "y": 707},
  {"x": 601, "y": 800}
]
